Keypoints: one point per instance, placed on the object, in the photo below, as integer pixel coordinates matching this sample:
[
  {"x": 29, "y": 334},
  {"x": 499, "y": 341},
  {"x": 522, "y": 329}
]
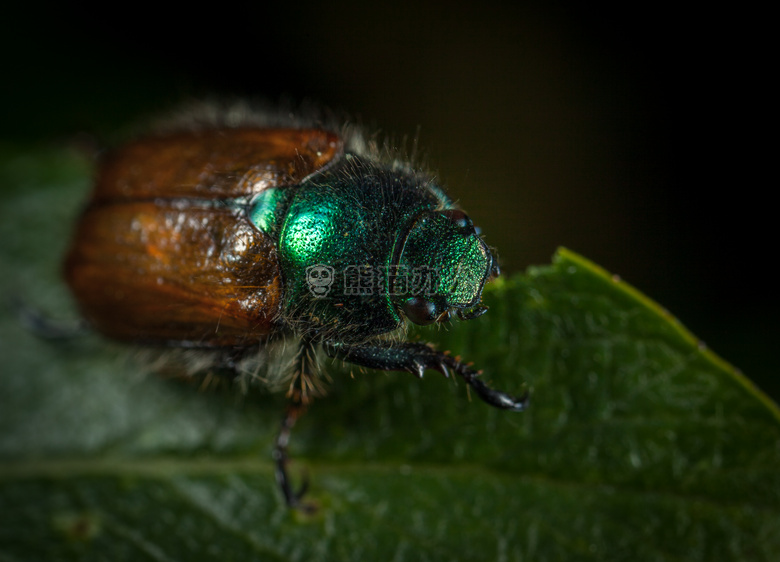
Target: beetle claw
[
  {"x": 294, "y": 499},
  {"x": 303, "y": 489},
  {"x": 487, "y": 394}
]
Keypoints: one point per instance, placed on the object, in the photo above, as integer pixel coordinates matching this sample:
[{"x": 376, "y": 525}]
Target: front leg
[{"x": 415, "y": 358}]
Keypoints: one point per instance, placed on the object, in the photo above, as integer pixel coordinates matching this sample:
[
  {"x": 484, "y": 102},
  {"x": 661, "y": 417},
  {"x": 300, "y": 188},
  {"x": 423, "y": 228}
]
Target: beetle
[{"x": 221, "y": 237}]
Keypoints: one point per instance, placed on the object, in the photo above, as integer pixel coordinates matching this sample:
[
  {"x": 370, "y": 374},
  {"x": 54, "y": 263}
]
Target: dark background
[{"x": 638, "y": 137}]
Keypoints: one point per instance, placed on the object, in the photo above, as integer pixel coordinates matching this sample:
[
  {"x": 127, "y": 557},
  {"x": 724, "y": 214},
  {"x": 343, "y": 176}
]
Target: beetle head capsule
[{"x": 449, "y": 264}]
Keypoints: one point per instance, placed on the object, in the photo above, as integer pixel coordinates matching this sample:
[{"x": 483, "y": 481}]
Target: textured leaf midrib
[{"x": 165, "y": 468}]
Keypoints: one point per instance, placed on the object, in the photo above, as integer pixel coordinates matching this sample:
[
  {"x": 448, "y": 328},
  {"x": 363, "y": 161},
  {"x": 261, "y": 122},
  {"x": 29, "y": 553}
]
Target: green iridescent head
[{"x": 442, "y": 266}]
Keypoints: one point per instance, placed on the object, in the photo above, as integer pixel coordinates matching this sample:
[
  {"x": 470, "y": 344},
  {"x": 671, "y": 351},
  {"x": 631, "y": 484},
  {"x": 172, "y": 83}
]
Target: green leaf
[{"x": 639, "y": 443}]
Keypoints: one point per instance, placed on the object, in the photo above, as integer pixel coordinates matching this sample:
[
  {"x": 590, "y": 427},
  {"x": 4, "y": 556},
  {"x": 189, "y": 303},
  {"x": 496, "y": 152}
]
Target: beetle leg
[
  {"x": 492, "y": 396},
  {"x": 291, "y": 497},
  {"x": 306, "y": 382},
  {"x": 415, "y": 358},
  {"x": 297, "y": 406},
  {"x": 45, "y": 327}
]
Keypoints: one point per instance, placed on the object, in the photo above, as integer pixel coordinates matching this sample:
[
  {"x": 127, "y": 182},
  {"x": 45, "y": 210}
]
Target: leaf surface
[{"x": 639, "y": 443}]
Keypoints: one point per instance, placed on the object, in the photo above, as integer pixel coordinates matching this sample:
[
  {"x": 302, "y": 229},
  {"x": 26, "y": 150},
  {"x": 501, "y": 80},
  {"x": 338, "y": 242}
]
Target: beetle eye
[
  {"x": 420, "y": 311},
  {"x": 461, "y": 220}
]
